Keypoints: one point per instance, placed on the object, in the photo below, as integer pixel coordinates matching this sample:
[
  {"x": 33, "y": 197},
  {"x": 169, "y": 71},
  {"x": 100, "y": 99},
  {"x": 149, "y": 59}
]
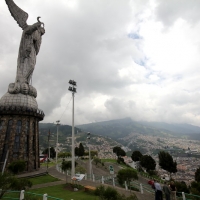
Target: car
[{"x": 78, "y": 177}]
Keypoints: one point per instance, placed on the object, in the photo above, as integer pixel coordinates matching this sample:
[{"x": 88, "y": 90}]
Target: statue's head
[{"x": 42, "y": 30}]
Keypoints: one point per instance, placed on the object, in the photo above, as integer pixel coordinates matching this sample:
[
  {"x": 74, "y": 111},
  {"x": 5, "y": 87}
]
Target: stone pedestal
[{"x": 19, "y": 130}]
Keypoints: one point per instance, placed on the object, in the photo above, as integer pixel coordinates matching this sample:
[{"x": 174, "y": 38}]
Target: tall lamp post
[
  {"x": 73, "y": 90},
  {"x": 90, "y": 167},
  {"x": 57, "y": 124},
  {"x": 48, "y": 154}
]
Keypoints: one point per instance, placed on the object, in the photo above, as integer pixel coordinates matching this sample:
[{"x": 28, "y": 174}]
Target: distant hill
[
  {"x": 64, "y": 131},
  {"x": 119, "y": 128},
  {"x": 174, "y": 128},
  {"x": 123, "y": 127}
]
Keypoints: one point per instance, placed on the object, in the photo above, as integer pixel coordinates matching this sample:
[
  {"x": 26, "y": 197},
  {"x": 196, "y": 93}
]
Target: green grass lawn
[
  {"x": 109, "y": 160},
  {"x": 60, "y": 191},
  {"x": 43, "y": 179},
  {"x": 50, "y": 164}
]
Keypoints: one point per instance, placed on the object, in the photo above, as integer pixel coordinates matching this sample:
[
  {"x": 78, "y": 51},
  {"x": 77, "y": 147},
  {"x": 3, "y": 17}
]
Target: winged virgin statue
[{"x": 29, "y": 48}]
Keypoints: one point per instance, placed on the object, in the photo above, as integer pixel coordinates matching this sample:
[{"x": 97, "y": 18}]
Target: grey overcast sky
[{"x": 130, "y": 58}]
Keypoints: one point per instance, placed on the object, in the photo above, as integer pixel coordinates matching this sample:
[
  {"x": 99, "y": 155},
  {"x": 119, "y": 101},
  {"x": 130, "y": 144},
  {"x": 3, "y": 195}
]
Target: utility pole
[
  {"x": 57, "y": 124},
  {"x": 73, "y": 90}
]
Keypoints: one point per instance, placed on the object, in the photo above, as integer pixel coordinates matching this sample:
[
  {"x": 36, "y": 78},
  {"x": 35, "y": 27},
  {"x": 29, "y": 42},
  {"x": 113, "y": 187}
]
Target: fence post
[
  {"x": 93, "y": 177},
  {"x": 141, "y": 189},
  {"x": 126, "y": 185},
  {"x": 102, "y": 180},
  {"x": 114, "y": 182},
  {"x": 21, "y": 195},
  {"x": 183, "y": 195},
  {"x": 45, "y": 197}
]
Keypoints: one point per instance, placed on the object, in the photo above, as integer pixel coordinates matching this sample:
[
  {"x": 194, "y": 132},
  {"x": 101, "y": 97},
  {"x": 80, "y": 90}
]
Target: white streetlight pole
[
  {"x": 90, "y": 167},
  {"x": 57, "y": 124},
  {"x": 73, "y": 90},
  {"x": 73, "y": 156}
]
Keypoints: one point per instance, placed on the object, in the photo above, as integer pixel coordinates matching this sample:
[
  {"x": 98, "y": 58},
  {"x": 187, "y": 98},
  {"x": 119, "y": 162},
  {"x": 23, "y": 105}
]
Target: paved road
[{"x": 53, "y": 172}]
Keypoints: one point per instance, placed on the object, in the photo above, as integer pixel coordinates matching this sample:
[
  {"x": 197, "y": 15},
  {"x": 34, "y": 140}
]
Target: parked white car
[{"x": 78, "y": 177}]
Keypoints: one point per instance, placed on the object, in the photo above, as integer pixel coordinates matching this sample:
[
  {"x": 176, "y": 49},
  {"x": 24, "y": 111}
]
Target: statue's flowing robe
[{"x": 29, "y": 48}]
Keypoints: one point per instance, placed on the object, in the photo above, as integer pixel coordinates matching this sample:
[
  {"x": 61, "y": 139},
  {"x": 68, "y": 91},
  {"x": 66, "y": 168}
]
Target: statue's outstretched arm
[{"x": 18, "y": 14}]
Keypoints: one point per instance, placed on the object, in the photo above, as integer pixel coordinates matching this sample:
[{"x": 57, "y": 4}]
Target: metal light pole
[
  {"x": 48, "y": 151},
  {"x": 90, "y": 167},
  {"x": 73, "y": 90},
  {"x": 57, "y": 124}
]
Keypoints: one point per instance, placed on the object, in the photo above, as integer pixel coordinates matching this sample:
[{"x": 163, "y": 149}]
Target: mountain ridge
[{"x": 122, "y": 127}]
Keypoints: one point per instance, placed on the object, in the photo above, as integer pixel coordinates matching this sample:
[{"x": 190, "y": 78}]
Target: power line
[{"x": 65, "y": 108}]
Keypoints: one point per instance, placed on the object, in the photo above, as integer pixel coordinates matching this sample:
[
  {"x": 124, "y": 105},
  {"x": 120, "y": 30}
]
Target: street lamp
[
  {"x": 73, "y": 90},
  {"x": 57, "y": 124},
  {"x": 90, "y": 167},
  {"x": 48, "y": 157}
]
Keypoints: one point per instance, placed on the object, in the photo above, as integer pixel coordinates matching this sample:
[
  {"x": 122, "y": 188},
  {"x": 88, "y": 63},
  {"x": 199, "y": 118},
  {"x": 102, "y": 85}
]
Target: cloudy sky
[{"x": 130, "y": 58}]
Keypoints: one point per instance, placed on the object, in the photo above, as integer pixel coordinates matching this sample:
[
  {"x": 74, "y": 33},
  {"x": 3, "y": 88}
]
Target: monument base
[{"x": 19, "y": 130}]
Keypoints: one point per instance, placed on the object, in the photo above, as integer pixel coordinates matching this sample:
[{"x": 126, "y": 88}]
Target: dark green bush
[{"x": 17, "y": 166}]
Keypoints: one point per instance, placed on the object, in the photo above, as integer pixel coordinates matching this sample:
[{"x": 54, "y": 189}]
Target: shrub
[
  {"x": 17, "y": 166},
  {"x": 110, "y": 193}
]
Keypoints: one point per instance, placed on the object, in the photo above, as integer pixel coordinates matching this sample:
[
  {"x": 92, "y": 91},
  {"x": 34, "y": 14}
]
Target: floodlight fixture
[{"x": 72, "y": 82}]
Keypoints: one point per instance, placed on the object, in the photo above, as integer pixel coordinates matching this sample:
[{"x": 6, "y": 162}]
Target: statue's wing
[{"x": 18, "y": 14}]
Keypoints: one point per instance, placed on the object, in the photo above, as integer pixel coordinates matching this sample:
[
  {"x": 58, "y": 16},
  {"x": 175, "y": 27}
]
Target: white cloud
[{"x": 129, "y": 58}]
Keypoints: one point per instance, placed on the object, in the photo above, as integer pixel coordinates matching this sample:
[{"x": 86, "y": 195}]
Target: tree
[
  {"x": 9, "y": 182},
  {"x": 120, "y": 159},
  {"x": 81, "y": 150},
  {"x": 119, "y": 151},
  {"x": 65, "y": 166},
  {"x": 127, "y": 175},
  {"x": 197, "y": 175},
  {"x": 136, "y": 156},
  {"x": 166, "y": 162},
  {"x": 93, "y": 153},
  {"x": 52, "y": 152},
  {"x": 17, "y": 166},
  {"x": 64, "y": 154},
  {"x": 195, "y": 188},
  {"x": 97, "y": 160},
  {"x": 76, "y": 151},
  {"x": 80, "y": 169},
  {"x": 181, "y": 186},
  {"x": 148, "y": 162}
]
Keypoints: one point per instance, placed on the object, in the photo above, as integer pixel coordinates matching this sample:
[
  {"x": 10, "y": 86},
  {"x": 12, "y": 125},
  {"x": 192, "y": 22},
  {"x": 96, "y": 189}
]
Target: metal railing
[
  {"x": 22, "y": 195},
  {"x": 112, "y": 180}
]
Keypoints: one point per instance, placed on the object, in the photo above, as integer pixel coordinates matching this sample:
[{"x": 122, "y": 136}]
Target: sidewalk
[{"x": 53, "y": 172}]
